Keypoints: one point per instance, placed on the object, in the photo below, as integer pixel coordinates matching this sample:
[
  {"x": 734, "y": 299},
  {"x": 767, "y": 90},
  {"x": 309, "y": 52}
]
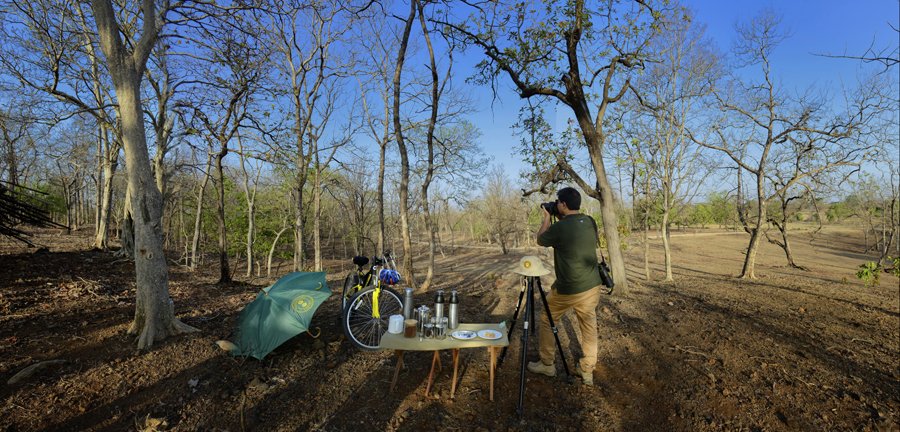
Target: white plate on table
[
  {"x": 464, "y": 334},
  {"x": 490, "y": 334}
]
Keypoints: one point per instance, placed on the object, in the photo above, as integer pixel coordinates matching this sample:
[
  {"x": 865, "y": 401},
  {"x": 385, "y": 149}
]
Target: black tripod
[{"x": 527, "y": 292}]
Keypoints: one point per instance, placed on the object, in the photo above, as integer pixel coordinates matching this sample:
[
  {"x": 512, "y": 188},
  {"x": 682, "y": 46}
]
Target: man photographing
[{"x": 577, "y": 287}]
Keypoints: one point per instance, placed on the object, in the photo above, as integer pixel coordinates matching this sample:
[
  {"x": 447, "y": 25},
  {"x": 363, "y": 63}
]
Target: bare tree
[
  {"x": 670, "y": 93},
  {"x": 404, "y": 153},
  {"x": 222, "y": 105},
  {"x": 501, "y": 209},
  {"x": 161, "y": 81},
  {"x": 205, "y": 173},
  {"x": 250, "y": 191},
  {"x": 306, "y": 35},
  {"x": 355, "y": 196},
  {"x": 72, "y": 159},
  {"x": 16, "y": 127},
  {"x": 378, "y": 126},
  {"x": 58, "y": 57},
  {"x": 154, "y": 311},
  {"x": 575, "y": 53},
  {"x": 761, "y": 125}
]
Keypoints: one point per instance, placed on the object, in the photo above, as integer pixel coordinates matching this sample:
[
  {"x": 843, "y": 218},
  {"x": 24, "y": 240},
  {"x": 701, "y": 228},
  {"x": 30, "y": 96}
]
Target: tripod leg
[
  {"x": 533, "y": 322},
  {"x": 512, "y": 322},
  {"x": 529, "y": 312},
  {"x": 553, "y": 327}
]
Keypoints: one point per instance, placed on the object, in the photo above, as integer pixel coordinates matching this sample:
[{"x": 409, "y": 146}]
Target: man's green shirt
[{"x": 574, "y": 243}]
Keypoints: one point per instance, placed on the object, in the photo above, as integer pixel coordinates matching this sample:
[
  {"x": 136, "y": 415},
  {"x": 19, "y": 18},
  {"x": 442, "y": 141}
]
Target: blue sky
[{"x": 816, "y": 27}]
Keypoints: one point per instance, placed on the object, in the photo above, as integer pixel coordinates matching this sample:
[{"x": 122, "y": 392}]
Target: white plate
[
  {"x": 463, "y": 334},
  {"x": 490, "y": 334}
]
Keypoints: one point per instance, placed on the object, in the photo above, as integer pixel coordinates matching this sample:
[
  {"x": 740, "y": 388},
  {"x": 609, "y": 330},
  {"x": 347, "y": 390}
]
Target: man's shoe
[
  {"x": 540, "y": 368},
  {"x": 586, "y": 376}
]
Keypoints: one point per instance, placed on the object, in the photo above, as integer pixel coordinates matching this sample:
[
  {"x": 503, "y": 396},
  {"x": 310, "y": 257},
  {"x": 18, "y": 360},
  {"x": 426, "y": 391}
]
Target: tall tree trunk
[
  {"x": 126, "y": 238},
  {"x": 12, "y": 164},
  {"x": 182, "y": 229},
  {"x": 251, "y": 234},
  {"x": 154, "y": 312},
  {"x": 750, "y": 257},
  {"x": 645, "y": 218},
  {"x": 755, "y": 231},
  {"x": 317, "y": 214},
  {"x": 380, "y": 189},
  {"x": 162, "y": 126},
  {"x": 195, "y": 241},
  {"x": 272, "y": 250},
  {"x": 99, "y": 189},
  {"x": 250, "y": 196},
  {"x": 665, "y": 237},
  {"x": 224, "y": 269},
  {"x": 786, "y": 246},
  {"x": 404, "y": 156},
  {"x": 429, "y": 139},
  {"x": 110, "y": 162},
  {"x": 595, "y": 140},
  {"x": 68, "y": 193},
  {"x": 298, "y": 231}
]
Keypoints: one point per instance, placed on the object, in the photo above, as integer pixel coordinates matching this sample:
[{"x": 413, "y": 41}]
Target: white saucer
[
  {"x": 464, "y": 334},
  {"x": 490, "y": 334}
]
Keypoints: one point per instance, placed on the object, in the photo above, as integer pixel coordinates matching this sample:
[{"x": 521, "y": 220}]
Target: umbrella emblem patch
[{"x": 302, "y": 303}]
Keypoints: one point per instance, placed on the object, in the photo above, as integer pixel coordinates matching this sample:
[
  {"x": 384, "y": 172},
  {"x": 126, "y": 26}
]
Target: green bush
[{"x": 869, "y": 273}]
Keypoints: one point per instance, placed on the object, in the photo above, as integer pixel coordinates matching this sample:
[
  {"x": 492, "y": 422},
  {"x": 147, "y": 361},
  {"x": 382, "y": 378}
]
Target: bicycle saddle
[{"x": 360, "y": 261}]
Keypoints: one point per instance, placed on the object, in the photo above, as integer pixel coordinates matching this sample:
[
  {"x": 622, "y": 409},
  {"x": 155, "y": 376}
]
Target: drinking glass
[{"x": 440, "y": 331}]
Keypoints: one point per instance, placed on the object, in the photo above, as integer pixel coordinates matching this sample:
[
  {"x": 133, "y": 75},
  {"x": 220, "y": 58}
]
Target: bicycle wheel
[
  {"x": 361, "y": 328},
  {"x": 351, "y": 281}
]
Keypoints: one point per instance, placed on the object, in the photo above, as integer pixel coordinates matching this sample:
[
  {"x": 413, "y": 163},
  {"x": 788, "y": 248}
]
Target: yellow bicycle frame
[{"x": 375, "y": 295}]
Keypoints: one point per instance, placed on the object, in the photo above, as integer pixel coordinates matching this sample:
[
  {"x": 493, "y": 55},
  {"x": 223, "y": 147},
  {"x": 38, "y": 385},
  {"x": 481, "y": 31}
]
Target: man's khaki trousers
[{"x": 585, "y": 306}]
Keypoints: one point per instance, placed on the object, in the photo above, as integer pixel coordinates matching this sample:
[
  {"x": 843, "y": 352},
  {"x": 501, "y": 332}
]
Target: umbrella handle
[{"x": 318, "y": 333}]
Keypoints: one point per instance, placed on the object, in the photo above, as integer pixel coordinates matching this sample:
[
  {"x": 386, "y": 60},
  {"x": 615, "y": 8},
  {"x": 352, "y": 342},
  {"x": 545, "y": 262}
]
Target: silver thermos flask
[
  {"x": 454, "y": 309},
  {"x": 408, "y": 303},
  {"x": 439, "y": 305}
]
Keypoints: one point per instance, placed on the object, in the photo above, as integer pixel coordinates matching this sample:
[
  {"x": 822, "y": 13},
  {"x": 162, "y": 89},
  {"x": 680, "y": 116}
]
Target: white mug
[{"x": 395, "y": 324}]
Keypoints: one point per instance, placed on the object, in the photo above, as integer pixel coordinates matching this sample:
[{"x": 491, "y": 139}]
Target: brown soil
[{"x": 791, "y": 350}]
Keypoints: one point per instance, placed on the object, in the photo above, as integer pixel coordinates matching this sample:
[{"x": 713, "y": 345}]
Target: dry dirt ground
[{"x": 791, "y": 350}]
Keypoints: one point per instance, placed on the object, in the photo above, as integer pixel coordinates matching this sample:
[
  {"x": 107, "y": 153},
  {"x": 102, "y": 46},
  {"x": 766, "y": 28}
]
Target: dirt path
[{"x": 791, "y": 350}]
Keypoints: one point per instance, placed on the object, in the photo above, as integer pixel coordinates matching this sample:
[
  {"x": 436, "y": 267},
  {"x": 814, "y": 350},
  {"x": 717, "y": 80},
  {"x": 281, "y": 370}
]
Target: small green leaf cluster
[
  {"x": 869, "y": 273},
  {"x": 896, "y": 263}
]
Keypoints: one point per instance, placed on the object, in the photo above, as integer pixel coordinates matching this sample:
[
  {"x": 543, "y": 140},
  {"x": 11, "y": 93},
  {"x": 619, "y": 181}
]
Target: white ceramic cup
[{"x": 395, "y": 324}]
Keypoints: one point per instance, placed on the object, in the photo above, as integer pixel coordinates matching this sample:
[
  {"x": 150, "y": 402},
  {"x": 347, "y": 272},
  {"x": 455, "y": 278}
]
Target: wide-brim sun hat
[{"x": 530, "y": 265}]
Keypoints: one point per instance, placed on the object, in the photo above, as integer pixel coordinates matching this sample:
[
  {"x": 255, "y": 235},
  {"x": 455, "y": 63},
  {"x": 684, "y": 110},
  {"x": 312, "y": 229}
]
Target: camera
[{"x": 551, "y": 208}]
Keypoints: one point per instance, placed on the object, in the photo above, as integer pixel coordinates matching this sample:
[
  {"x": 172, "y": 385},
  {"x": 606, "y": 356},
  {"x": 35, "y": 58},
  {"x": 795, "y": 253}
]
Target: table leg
[
  {"x": 493, "y": 360},
  {"x": 434, "y": 359},
  {"x": 455, "y": 368},
  {"x": 397, "y": 369}
]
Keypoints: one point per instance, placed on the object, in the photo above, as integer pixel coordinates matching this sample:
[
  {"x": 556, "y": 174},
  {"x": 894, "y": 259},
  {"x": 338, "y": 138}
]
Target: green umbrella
[{"x": 280, "y": 312}]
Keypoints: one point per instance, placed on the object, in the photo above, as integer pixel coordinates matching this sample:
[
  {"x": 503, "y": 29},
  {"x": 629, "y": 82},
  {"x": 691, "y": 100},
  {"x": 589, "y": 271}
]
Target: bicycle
[{"x": 367, "y": 300}]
